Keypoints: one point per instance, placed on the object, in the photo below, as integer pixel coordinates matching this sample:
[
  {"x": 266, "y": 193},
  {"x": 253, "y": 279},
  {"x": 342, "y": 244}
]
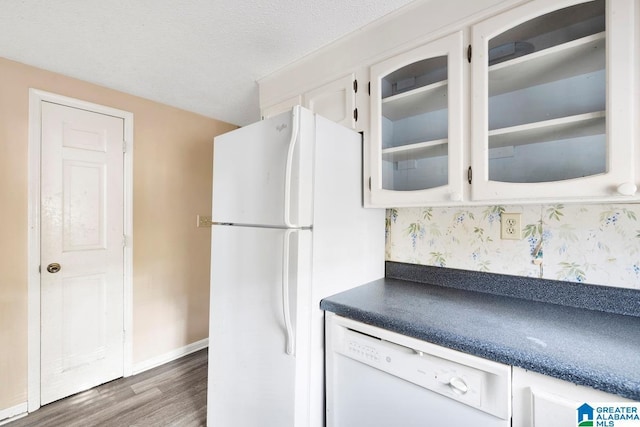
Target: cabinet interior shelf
[
  {"x": 566, "y": 60},
  {"x": 417, "y": 101},
  {"x": 549, "y": 130},
  {"x": 416, "y": 151}
]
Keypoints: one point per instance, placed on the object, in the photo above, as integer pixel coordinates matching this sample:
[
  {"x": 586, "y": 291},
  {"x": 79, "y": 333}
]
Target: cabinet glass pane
[
  {"x": 415, "y": 123},
  {"x": 547, "y": 97}
]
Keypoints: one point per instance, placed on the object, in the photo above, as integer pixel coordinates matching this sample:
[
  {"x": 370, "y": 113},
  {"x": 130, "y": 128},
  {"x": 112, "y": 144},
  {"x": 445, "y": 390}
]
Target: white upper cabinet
[
  {"x": 545, "y": 111},
  {"x": 335, "y": 101},
  {"x": 552, "y": 111},
  {"x": 281, "y": 107},
  {"x": 416, "y": 150}
]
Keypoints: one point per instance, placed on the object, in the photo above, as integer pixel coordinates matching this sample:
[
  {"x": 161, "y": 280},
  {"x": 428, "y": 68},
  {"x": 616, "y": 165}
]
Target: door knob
[{"x": 54, "y": 267}]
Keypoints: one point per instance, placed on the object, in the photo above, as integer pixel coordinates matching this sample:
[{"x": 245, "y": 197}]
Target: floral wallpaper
[{"x": 597, "y": 244}]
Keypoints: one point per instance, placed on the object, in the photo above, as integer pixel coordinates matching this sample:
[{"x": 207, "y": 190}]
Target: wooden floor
[{"x": 174, "y": 394}]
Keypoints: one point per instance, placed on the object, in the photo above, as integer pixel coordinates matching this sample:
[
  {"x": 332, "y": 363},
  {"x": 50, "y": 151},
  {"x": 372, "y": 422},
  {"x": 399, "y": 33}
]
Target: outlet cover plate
[{"x": 511, "y": 226}]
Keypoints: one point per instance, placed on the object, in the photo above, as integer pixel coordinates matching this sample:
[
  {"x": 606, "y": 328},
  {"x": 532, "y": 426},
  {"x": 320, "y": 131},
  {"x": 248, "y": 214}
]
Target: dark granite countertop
[{"x": 590, "y": 347}]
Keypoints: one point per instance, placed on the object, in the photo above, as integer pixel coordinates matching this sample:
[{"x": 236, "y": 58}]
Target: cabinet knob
[
  {"x": 627, "y": 189},
  {"x": 455, "y": 196}
]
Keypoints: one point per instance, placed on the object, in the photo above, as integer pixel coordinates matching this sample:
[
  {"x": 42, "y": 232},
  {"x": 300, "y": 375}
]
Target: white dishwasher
[{"x": 378, "y": 378}]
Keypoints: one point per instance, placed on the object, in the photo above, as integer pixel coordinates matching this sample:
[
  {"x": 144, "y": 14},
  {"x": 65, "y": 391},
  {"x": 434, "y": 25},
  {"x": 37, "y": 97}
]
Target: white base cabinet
[{"x": 543, "y": 401}]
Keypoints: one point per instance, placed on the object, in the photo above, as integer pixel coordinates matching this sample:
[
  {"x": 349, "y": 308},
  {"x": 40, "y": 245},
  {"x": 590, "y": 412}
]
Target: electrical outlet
[
  {"x": 510, "y": 227},
  {"x": 203, "y": 221}
]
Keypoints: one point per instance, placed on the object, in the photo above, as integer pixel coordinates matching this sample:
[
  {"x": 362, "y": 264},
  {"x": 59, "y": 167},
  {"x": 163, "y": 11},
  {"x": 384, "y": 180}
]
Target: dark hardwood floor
[{"x": 174, "y": 394}]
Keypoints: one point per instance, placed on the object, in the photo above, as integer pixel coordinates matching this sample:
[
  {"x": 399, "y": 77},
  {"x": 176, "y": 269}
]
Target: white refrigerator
[{"x": 288, "y": 230}]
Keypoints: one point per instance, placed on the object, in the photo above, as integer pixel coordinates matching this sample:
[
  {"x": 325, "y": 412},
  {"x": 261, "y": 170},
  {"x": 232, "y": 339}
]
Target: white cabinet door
[
  {"x": 542, "y": 401},
  {"x": 417, "y": 115},
  {"x": 281, "y": 107},
  {"x": 552, "y": 115},
  {"x": 335, "y": 101}
]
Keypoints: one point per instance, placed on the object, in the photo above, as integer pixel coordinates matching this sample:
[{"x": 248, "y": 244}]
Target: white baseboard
[
  {"x": 13, "y": 413},
  {"x": 170, "y": 356}
]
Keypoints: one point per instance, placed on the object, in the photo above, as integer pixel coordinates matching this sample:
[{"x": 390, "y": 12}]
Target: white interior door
[{"x": 82, "y": 231}]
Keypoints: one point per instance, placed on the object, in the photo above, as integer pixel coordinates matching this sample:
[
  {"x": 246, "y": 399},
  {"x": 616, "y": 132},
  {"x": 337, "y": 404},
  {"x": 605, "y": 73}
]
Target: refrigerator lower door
[{"x": 258, "y": 362}]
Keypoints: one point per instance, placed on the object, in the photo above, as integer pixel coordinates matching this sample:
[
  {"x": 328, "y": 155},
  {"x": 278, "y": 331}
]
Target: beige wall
[{"x": 172, "y": 184}]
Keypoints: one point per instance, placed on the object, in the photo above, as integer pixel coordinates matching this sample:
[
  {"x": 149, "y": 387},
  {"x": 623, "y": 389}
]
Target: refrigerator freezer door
[
  {"x": 253, "y": 381},
  {"x": 250, "y": 171}
]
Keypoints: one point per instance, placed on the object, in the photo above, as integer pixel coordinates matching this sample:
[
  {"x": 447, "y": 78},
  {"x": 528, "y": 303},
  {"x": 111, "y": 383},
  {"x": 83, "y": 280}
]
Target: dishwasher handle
[{"x": 353, "y": 336}]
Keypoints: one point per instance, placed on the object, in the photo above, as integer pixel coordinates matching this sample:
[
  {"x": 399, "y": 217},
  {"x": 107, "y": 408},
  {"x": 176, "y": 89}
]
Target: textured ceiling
[{"x": 200, "y": 55}]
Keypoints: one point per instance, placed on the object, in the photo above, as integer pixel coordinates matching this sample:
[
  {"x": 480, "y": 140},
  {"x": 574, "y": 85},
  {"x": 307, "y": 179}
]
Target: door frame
[{"x": 36, "y": 97}]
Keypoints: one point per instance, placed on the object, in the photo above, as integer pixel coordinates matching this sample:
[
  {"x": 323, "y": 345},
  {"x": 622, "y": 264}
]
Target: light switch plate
[
  {"x": 510, "y": 226},
  {"x": 203, "y": 221}
]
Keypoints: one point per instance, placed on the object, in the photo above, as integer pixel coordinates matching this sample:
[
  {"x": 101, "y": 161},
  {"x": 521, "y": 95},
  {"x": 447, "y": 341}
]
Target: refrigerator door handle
[
  {"x": 288, "y": 166},
  {"x": 290, "y": 337}
]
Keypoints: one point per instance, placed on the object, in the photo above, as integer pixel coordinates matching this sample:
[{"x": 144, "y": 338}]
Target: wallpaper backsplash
[{"x": 597, "y": 244}]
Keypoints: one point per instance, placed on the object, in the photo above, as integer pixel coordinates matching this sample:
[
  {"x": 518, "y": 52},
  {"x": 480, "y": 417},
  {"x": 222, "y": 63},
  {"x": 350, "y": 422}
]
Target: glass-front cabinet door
[
  {"x": 552, "y": 112},
  {"x": 417, "y": 126}
]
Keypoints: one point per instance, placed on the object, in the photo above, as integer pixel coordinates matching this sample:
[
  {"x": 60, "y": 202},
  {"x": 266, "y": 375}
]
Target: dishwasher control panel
[
  {"x": 473, "y": 381},
  {"x": 363, "y": 351}
]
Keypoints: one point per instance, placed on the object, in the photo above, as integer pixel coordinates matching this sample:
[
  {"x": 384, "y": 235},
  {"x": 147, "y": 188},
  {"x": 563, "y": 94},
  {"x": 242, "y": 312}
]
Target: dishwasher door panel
[
  {"x": 365, "y": 396},
  {"x": 377, "y": 378}
]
